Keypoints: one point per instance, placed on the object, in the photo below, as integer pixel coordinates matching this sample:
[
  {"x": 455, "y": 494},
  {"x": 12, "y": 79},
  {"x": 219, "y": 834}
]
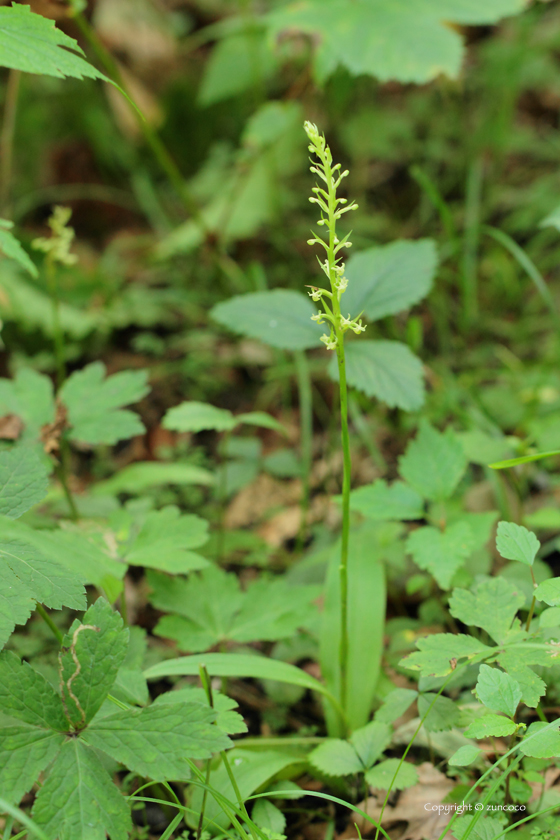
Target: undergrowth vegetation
[{"x": 279, "y": 450}]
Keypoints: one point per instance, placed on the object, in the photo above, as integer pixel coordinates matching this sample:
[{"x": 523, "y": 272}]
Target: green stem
[
  {"x": 306, "y": 437},
  {"x": 237, "y": 792},
  {"x": 7, "y": 139},
  {"x": 49, "y": 622},
  {"x": 222, "y": 497},
  {"x": 58, "y": 334},
  {"x": 471, "y": 241}
]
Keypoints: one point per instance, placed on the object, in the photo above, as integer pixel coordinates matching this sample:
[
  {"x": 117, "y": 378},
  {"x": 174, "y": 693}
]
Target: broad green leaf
[
  {"x": 464, "y": 756},
  {"x": 268, "y": 816},
  {"x": 95, "y": 404},
  {"x": 396, "y": 704},
  {"x": 164, "y": 540},
  {"x": 532, "y": 686},
  {"x": 32, "y": 43},
  {"x": 236, "y": 64},
  {"x": 130, "y": 684},
  {"x": 438, "y": 655},
  {"x": 24, "y": 481},
  {"x": 157, "y": 741},
  {"x": 514, "y": 542},
  {"x": 433, "y": 463},
  {"x": 366, "y": 622},
  {"x": 382, "y": 775},
  {"x": 336, "y": 758},
  {"x": 227, "y": 719},
  {"x": 486, "y": 828},
  {"x": 79, "y": 800},
  {"x": 262, "y": 420},
  {"x": 29, "y": 395},
  {"x": 492, "y": 604},
  {"x": 236, "y": 665},
  {"x": 370, "y": 741},
  {"x": 387, "y": 501},
  {"x": 490, "y": 726},
  {"x": 280, "y": 318},
  {"x": 211, "y": 609},
  {"x": 541, "y": 741},
  {"x": 409, "y": 42},
  {"x": 385, "y": 280},
  {"x": 137, "y": 478},
  {"x": 443, "y": 715},
  {"x": 11, "y": 247},
  {"x": 550, "y": 618},
  {"x": 25, "y": 694},
  {"x": 27, "y": 576},
  {"x": 26, "y": 752},
  {"x": 386, "y": 370},
  {"x": 99, "y": 643},
  {"x": 194, "y": 416},
  {"x": 441, "y": 552},
  {"x": 497, "y": 690},
  {"x": 549, "y": 592}
]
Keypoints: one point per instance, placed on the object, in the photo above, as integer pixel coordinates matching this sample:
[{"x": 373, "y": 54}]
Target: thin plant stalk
[
  {"x": 7, "y": 139},
  {"x": 306, "y": 437},
  {"x": 473, "y": 204}
]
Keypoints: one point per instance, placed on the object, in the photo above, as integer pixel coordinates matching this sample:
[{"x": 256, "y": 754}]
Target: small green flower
[{"x": 57, "y": 246}]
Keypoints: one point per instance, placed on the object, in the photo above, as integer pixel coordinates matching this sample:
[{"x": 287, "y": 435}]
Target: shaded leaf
[
  {"x": 136, "y": 478},
  {"x": 541, "y": 740},
  {"x": 236, "y": 64},
  {"x": 387, "y": 501},
  {"x": 23, "y": 481},
  {"x": 25, "y": 694},
  {"x": 370, "y": 741},
  {"x": 194, "y": 416},
  {"x": 433, "y": 463},
  {"x": 437, "y": 656},
  {"x": 497, "y": 690},
  {"x": 492, "y": 604},
  {"x": 396, "y": 704},
  {"x": 441, "y": 552},
  {"x": 514, "y": 542},
  {"x": 549, "y": 592},
  {"x": 464, "y": 756},
  {"x": 227, "y": 719},
  {"x": 26, "y": 752},
  {"x": 336, "y": 758},
  {"x": 382, "y": 775},
  {"x": 490, "y": 726},
  {"x": 268, "y": 816},
  {"x": 11, "y": 246},
  {"x": 443, "y": 715}
]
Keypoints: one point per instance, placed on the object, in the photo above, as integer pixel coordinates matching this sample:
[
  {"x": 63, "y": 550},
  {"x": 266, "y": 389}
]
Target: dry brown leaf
[
  {"x": 263, "y": 494},
  {"x": 52, "y": 432},
  {"x": 282, "y": 527},
  {"x": 11, "y": 427},
  {"x": 136, "y": 28}
]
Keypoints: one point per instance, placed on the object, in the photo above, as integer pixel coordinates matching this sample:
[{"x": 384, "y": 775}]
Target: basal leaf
[
  {"x": 541, "y": 741},
  {"x": 396, "y": 704},
  {"x": 280, "y": 318},
  {"x": 336, "y": 758},
  {"x": 464, "y": 756},
  {"x": 443, "y": 714},
  {"x": 11, "y": 247},
  {"x": 438, "y": 656},
  {"x": 434, "y": 463},
  {"x": 497, "y": 690},
  {"x": 26, "y": 751},
  {"x": 157, "y": 741},
  {"x": 194, "y": 416},
  {"x": 549, "y": 592},
  {"x": 490, "y": 726},
  {"x": 95, "y": 404},
  {"x": 409, "y": 42},
  {"x": 27, "y": 577},
  {"x": 492, "y": 604},
  {"x": 383, "y": 775},
  {"x": 514, "y": 542},
  {"x": 370, "y": 741},
  {"x": 79, "y": 800},
  {"x": 25, "y": 694},
  {"x": 137, "y": 478},
  {"x": 380, "y": 501},
  {"x": 32, "y": 43},
  {"x": 385, "y": 280},
  {"x": 24, "y": 481},
  {"x": 386, "y": 370},
  {"x": 441, "y": 552},
  {"x": 99, "y": 643}
]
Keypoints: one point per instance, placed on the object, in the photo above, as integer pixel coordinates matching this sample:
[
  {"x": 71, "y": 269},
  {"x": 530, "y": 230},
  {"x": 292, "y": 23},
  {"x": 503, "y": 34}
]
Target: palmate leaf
[
  {"x": 32, "y": 43},
  {"x": 25, "y": 694},
  {"x": 210, "y": 608},
  {"x": 408, "y": 40},
  {"x": 531, "y": 685},
  {"x": 24, "y": 481},
  {"x": 11, "y": 247},
  {"x": 382, "y": 501},
  {"x": 228, "y": 720},
  {"x": 79, "y": 801},
  {"x": 336, "y": 757},
  {"x": 492, "y": 604},
  {"x": 28, "y": 577},
  {"x": 438, "y": 656},
  {"x": 433, "y": 463},
  {"x": 441, "y": 552},
  {"x": 442, "y": 715},
  {"x": 26, "y": 752},
  {"x": 396, "y": 704}
]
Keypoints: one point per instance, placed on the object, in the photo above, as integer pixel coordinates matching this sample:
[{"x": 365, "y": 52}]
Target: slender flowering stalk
[{"x": 332, "y": 208}]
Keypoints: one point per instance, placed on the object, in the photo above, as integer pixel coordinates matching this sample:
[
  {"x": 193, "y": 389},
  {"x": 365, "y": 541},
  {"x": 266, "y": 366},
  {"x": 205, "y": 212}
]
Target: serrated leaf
[
  {"x": 497, "y": 690},
  {"x": 24, "y": 481},
  {"x": 25, "y": 694},
  {"x": 27, "y": 576},
  {"x": 26, "y": 752},
  {"x": 387, "y": 279},
  {"x": 280, "y": 318},
  {"x": 441, "y": 552},
  {"x": 549, "y": 592},
  {"x": 437, "y": 656},
  {"x": 541, "y": 741},
  {"x": 514, "y": 542},
  {"x": 137, "y": 478},
  {"x": 370, "y": 741},
  {"x": 379, "y": 501},
  {"x": 490, "y": 726},
  {"x": 95, "y": 404},
  {"x": 386, "y": 370},
  {"x": 100, "y": 653},
  {"x": 11, "y": 246},
  {"x": 383, "y": 39},
  {"x": 227, "y": 719},
  {"x": 492, "y": 605},
  {"x": 164, "y": 542},
  {"x": 433, "y": 463},
  {"x": 192, "y": 416},
  {"x": 464, "y": 756},
  {"x": 211, "y": 608},
  {"x": 381, "y": 776},
  {"x": 396, "y": 704},
  {"x": 487, "y": 828},
  {"x": 32, "y": 43},
  {"x": 532, "y": 686},
  {"x": 157, "y": 741},
  {"x": 443, "y": 715},
  {"x": 266, "y": 815},
  {"x": 335, "y": 758},
  {"x": 79, "y": 800}
]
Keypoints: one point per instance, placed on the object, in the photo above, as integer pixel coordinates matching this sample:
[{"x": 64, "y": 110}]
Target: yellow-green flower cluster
[{"x": 57, "y": 246}]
